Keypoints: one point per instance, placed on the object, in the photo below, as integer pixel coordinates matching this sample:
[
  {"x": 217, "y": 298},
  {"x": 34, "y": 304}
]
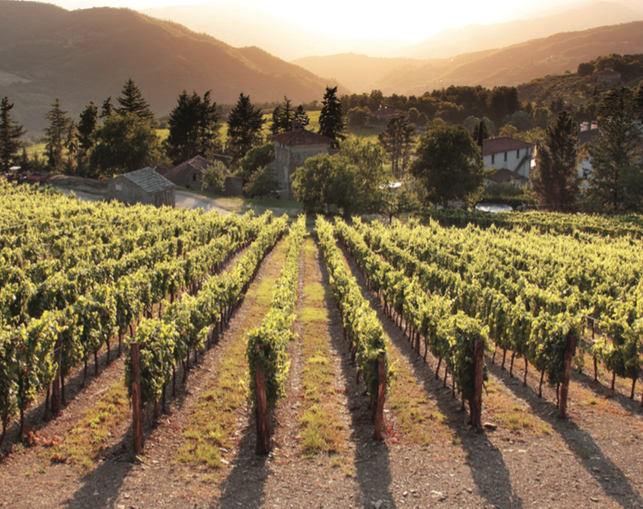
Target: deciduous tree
[
  {"x": 10, "y": 134},
  {"x": 214, "y": 176},
  {"x": 449, "y": 165},
  {"x": 257, "y": 158},
  {"x": 555, "y": 180},
  {"x": 124, "y": 143}
]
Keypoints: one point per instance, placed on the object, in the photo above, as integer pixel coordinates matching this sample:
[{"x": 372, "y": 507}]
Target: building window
[
  {"x": 518, "y": 154},
  {"x": 493, "y": 158},
  {"x": 194, "y": 177},
  {"x": 505, "y": 157}
]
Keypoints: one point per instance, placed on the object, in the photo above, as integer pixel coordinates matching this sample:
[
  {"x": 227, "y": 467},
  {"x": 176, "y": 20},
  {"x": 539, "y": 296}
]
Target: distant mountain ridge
[
  {"x": 456, "y": 41},
  {"x": 514, "y": 65},
  {"x": 87, "y": 55},
  {"x": 240, "y": 25}
]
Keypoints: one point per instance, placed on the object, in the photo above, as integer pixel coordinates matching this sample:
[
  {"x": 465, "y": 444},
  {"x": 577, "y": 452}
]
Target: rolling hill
[
  {"x": 87, "y": 55},
  {"x": 241, "y": 25},
  {"x": 513, "y": 65},
  {"x": 455, "y": 41}
]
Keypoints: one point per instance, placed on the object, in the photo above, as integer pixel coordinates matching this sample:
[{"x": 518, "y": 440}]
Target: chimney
[
  {"x": 584, "y": 126},
  {"x": 594, "y": 124},
  {"x": 296, "y": 125}
]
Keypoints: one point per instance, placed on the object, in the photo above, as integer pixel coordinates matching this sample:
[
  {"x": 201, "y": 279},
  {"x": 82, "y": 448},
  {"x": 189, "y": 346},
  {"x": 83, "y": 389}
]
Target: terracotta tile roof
[
  {"x": 302, "y": 137},
  {"x": 148, "y": 180},
  {"x": 496, "y": 145},
  {"x": 505, "y": 175}
]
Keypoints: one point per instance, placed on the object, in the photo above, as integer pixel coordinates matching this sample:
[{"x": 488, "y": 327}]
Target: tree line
[{"x": 121, "y": 135}]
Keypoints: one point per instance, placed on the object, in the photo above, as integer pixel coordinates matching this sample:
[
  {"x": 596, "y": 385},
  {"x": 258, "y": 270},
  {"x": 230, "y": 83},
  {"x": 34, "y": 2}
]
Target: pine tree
[
  {"x": 244, "y": 127},
  {"x": 397, "y": 141},
  {"x": 87, "y": 126},
  {"x": 193, "y": 127},
  {"x": 107, "y": 109},
  {"x": 282, "y": 117},
  {"x": 615, "y": 183},
  {"x": 209, "y": 141},
  {"x": 133, "y": 102},
  {"x": 555, "y": 180},
  {"x": 331, "y": 121},
  {"x": 10, "y": 134},
  {"x": 56, "y": 137}
]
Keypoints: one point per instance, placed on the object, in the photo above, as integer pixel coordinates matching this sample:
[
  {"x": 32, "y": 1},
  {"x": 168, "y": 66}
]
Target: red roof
[
  {"x": 505, "y": 175},
  {"x": 300, "y": 136},
  {"x": 496, "y": 145}
]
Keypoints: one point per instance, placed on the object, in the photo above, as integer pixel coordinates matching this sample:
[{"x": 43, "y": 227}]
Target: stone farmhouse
[
  {"x": 142, "y": 186},
  {"x": 513, "y": 159},
  {"x": 189, "y": 174},
  {"x": 291, "y": 151}
]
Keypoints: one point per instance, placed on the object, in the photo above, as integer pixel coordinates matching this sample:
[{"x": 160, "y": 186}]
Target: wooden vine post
[
  {"x": 137, "y": 407},
  {"x": 381, "y": 392},
  {"x": 263, "y": 410},
  {"x": 55, "y": 387},
  {"x": 564, "y": 387},
  {"x": 478, "y": 379}
]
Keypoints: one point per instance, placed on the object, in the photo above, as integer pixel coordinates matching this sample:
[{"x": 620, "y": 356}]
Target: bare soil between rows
[{"x": 590, "y": 460}]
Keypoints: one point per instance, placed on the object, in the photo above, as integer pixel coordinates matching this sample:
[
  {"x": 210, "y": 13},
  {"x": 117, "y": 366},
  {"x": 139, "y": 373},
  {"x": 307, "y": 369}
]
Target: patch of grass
[
  {"x": 420, "y": 420},
  {"x": 214, "y": 420},
  {"x": 309, "y": 315},
  {"x": 84, "y": 443},
  {"x": 321, "y": 430},
  {"x": 511, "y": 415}
]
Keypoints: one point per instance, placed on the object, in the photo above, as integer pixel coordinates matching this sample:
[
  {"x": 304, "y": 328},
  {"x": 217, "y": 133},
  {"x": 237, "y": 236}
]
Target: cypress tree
[
  {"x": 555, "y": 179},
  {"x": 616, "y": 183}
]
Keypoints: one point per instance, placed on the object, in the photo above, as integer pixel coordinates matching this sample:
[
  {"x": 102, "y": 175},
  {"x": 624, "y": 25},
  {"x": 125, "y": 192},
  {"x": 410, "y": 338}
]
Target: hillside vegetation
[
  {"x": 86, "y": 55},
  {"x": 510, "y": 66}
]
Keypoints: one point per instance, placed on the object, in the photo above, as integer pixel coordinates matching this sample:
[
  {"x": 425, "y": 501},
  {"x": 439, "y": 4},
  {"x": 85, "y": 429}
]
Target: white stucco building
[{"x": 512, "y": 158}]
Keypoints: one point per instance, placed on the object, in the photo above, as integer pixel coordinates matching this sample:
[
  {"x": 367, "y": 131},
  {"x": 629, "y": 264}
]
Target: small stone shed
[{"x": 142, "y": 186}]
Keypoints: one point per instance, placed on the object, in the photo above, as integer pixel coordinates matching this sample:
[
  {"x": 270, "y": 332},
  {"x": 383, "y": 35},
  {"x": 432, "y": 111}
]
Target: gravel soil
[{"x": 590, "y": 460}]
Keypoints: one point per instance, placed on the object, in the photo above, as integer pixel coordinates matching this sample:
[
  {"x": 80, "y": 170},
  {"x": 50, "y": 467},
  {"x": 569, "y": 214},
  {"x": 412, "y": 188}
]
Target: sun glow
[{"x": 351, "y": 19}]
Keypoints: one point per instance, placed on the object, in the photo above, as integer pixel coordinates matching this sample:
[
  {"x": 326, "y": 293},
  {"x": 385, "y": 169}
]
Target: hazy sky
[{"x": 397, "y": 19}]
